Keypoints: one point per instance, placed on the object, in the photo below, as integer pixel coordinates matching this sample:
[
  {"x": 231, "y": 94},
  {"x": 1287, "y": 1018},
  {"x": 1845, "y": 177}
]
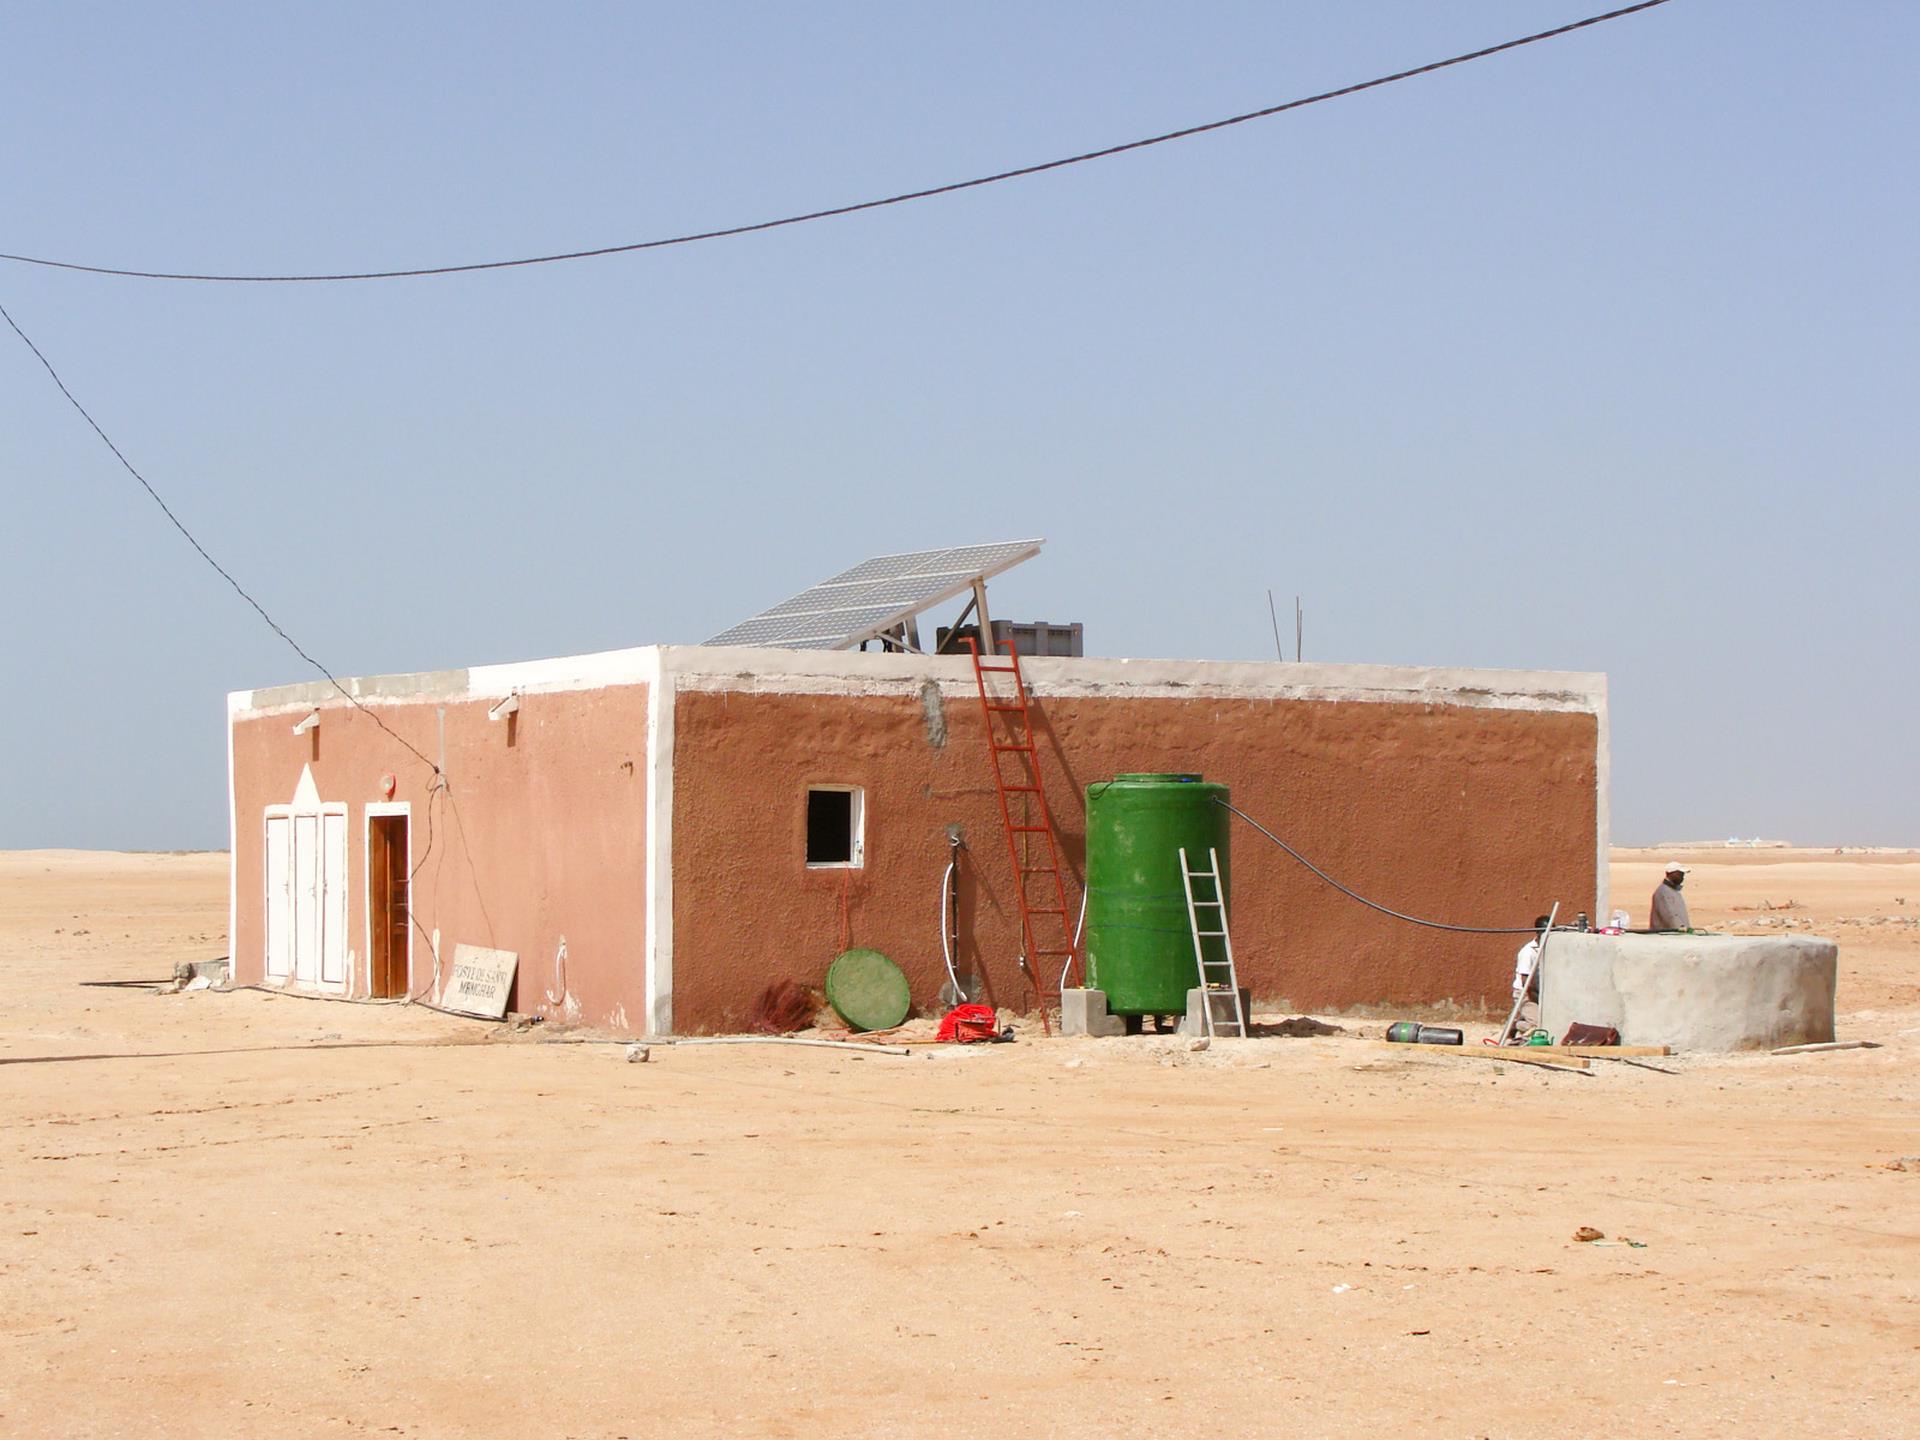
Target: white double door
[{"x": 307, "y": 898}]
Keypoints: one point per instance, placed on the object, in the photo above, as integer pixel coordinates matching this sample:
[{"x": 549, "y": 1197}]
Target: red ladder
[{"x": 1031, "y": 844}]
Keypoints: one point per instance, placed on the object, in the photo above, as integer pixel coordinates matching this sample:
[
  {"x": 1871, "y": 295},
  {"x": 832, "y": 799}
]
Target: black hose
[{"x": 1373, "y": 904}]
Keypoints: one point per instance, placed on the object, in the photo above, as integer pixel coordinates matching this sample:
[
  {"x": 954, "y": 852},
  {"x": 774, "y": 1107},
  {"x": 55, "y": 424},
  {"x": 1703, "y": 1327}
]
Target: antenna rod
[
  {"x": 1299, "y": 626},
  {"x": 1279, "y": 649}
]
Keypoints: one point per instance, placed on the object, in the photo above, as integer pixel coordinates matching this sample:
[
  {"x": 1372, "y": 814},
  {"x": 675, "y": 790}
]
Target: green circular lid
[{"x": 867, "y": 990}]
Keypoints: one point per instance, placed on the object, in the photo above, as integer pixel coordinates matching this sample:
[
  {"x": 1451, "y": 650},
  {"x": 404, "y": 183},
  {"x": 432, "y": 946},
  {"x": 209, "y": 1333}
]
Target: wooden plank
[
  {"x": 1825, "y": 1046},
  {"x": 1518, "y": 1054},
  {"x": 1605, "y": 1052}
]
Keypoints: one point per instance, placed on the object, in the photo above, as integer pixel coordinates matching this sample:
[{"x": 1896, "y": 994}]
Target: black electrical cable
[
  {"x": 466, "y": 851},
  {"x": 439, "y": 782},
  {"x": 433, "y": 793},
  {"x": 838, "y": 210},
  {"x": 218, "y": 568},
  {"x": 434, "y": 788},
  {"x": 1374, "y": 904}
]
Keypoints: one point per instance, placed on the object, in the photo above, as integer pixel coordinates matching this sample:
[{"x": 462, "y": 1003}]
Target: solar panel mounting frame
[{"x": 876, "y": 596}]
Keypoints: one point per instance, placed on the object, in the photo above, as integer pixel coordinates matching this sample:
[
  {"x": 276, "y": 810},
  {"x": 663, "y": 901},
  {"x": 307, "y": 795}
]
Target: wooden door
[{"x": 388, "y": 919}]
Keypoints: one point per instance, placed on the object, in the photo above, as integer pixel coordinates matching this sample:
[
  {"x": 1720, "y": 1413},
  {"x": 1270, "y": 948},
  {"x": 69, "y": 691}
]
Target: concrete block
[
  {"x": 1196, "y": 1019},
  {"x": 213, "y": 972},
  {"x": 1084, "y": 1012},
  {"x": 1693, "y": 992}
]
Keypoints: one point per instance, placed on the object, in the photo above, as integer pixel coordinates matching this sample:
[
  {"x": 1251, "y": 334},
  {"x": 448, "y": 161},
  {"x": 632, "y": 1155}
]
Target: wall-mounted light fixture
[
  {"x": 505, "y": 708},
  {"x": 312, "y": 722}
]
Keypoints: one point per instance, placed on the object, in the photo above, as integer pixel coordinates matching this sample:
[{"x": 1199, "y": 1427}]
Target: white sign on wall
[{"x": 480, "y": 981}]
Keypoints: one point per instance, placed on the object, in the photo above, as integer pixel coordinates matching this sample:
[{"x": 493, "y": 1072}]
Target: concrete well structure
[
  {"x": 635, "y": 825},
  {"x": 1692, "y": 992}
]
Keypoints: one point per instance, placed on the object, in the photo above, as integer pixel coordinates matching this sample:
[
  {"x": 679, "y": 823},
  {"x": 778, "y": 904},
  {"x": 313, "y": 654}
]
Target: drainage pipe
[{"x": 783, "y": 1040}]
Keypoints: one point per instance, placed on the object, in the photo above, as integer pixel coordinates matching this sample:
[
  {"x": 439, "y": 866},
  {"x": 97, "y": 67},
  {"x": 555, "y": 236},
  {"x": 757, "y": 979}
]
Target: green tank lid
[{"x": 867, "y": 990}]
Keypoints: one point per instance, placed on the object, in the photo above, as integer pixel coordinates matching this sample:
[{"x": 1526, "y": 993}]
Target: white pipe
[
  {"x": 946, "y": 940},
  {"x": 787, "y": 1040},
  {"x": 1078, "y": 926}
]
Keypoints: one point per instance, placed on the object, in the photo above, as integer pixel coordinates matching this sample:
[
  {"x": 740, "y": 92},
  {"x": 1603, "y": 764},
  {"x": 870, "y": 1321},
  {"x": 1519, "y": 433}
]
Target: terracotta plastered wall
[
  {"x": 1461, "y": 812},
  {"x": 541, "y": 833}
]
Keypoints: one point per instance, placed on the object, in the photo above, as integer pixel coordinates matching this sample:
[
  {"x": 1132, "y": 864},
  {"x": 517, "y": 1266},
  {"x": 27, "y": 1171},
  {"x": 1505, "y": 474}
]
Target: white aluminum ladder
[
  {"x": 1213, "y": 973},
  {"x": 1507, "y": 1035}
]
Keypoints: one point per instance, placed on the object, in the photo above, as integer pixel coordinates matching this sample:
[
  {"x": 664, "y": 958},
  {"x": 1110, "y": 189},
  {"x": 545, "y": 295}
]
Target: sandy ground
[{"x": 242, "y": 1214}]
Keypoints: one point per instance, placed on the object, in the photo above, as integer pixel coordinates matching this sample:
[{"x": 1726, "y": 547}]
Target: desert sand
[{"x": 242, "y": 1214}]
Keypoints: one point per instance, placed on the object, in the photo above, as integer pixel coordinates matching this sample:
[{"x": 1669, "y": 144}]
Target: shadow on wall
[
  {"x": 1068, "y": 808},
  {"x": 975, "y": 891}
]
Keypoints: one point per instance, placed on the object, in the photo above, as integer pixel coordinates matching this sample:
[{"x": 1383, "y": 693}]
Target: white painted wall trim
[
  {"x": 1603, "y": 810},
  {"x": 233, "y": 860},
  {"x": 601, "y": 671},
  {"x": 568, "y": 672},
  {"x": 659, "y": 858},
  {"x": 847, "y": 672}
]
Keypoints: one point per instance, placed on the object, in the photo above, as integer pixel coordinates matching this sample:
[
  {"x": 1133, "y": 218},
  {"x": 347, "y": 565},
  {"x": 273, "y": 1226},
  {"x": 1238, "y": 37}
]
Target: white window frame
[{"x": 856, "y": 821}]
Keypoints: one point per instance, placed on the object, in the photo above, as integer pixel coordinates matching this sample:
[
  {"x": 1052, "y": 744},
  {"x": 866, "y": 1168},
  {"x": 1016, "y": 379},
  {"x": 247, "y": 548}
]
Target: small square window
[{"x": 833, "y": 826}]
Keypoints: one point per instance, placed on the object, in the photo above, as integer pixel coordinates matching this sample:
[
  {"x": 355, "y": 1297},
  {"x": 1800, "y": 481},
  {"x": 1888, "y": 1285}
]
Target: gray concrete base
[
  {"x": 1084, "y": 1012},
  {"x": 215, "y": 971},
  {"x": 1223, "y": 1018},
  {"x": 1693, "y": 992}
]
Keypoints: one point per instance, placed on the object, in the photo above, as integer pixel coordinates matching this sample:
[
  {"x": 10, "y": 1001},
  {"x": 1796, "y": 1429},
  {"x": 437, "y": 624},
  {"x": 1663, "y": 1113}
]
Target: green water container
[{"x": 1138, "y": 946}]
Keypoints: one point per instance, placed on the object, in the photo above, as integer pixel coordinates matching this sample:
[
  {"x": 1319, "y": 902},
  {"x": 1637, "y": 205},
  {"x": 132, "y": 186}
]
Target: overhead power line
[
  {"x": 853, "y": 209},
  {"x": 219, "y": 569}
]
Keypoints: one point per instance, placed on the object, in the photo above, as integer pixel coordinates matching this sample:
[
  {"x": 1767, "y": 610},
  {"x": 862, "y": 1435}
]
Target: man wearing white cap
[{"x": 1669, "y": 908}]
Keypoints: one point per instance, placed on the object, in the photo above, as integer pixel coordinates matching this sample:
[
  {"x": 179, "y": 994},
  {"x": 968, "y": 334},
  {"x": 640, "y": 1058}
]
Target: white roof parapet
[{"x": 773, "y": 670}]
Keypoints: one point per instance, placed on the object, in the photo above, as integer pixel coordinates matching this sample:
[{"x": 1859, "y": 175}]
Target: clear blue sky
[{"x": 1600, "y": 355}]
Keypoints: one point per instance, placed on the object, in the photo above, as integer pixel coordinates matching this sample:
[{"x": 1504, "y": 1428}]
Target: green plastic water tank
[{"x": 1138, "y": 946}]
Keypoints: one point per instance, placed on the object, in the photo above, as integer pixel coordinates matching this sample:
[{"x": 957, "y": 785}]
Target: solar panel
[{"x": 874, "y": 596}]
